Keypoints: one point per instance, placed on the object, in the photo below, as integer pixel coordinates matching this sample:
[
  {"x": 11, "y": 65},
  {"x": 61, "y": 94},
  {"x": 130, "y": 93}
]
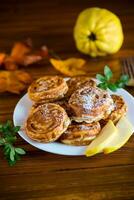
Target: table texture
[{"x": 41, "y": 175}]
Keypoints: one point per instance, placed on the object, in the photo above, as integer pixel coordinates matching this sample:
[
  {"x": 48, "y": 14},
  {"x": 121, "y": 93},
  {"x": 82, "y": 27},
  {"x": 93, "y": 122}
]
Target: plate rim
[{"x": 35, "y": 143}]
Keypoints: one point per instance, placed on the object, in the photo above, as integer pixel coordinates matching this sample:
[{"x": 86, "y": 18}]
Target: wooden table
[{"x": 41, "y": 175}]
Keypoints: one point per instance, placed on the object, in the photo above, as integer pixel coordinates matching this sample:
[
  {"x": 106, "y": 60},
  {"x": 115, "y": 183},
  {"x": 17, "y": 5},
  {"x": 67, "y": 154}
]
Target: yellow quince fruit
[{"x": 98, "y": 32}]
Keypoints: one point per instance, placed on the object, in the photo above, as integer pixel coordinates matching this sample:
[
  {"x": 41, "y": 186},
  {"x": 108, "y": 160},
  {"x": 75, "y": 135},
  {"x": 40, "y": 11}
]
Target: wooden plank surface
[{"x": 41, "y": 175}]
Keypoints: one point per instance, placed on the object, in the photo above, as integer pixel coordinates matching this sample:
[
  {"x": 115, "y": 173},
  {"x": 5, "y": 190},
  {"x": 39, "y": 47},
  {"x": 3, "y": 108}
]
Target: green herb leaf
[
  {"x": 2, "y": 141},
  {"x": 16, "y": 129},
  {"x": 10, "y": 138},
  {"x": 112, "y": 87},
  {"x": 107, "y": 83},
  {"x": 7, "y": 125},
  {"x": 6, "y": 150},
  {"x": 7, "y": 140},
  {"x": 108, "y": 73},
  {"x": 102, "y": 86},
  {"x": 100, "y": 77},
  {"x": 120, "y": 84},
  {"x": 17, "y": 156},
  {"x": 11, "y": 163},
  {"x": 20, "y": 151},
  {"x": 12, "y": 154},
  {"x": 124, "y": 78}
]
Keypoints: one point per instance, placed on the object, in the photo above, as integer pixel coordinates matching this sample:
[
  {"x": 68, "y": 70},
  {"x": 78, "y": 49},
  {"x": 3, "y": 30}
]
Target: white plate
[{"x": 21, "y": 113}]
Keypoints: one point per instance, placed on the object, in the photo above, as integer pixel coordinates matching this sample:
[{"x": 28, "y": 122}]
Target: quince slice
[
  {"x": 125, "y": 130},
  {"x": 106, "y": 135}
]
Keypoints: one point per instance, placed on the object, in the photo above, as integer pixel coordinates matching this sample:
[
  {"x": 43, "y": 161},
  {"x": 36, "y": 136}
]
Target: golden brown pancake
[
  {"x": 46, "y": 122},
  {"x": 77, "y": 82},
  {"x": 90, "y": 104},
  {"x": 80, "y": 134},
  {"x": 64, "y": 104},
  {"x": 120, "y": 109},
  {"x": 47, "y": 89}
]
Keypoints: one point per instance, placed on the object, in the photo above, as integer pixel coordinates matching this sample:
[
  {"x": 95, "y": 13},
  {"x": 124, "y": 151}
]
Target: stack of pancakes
[{"x": 72, "y": 112}]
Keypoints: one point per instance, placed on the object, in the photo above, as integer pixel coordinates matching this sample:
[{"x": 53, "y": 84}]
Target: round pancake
[
  {"x": 77, "y": 82},
  {"x": 80, "y": 134},
  {"x": 46, "y": 122},
  {"x": 120, "y": 109},
  {"x": 64, "y": 104},
  {"x": 47, "y": 89},
  {"x": 90, "y": 104}
]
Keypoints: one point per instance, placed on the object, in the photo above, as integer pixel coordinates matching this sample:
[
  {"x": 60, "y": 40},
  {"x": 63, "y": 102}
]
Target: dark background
[{"x": 50, "y": 21}]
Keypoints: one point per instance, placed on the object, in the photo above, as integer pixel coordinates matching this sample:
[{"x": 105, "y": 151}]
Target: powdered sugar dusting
[
  {"x": 91, "y": 103},
  {"x": 87, "y": 101}
]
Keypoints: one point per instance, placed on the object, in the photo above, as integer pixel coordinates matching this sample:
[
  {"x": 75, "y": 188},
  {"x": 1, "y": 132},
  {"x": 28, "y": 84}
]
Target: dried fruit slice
[
  {"x": 15, "y": 81},
  {"x": 69, "y": 67}
]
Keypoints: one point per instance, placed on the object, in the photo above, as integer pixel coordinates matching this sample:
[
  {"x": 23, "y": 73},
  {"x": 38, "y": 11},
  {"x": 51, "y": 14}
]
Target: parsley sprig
[
  {"x": 105, "y": 80},
  {"x": 7, "y": 140}
]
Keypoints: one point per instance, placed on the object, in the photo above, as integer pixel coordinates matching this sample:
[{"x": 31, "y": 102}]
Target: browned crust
[
  {"x": 120, "y": 109},
  {"x": 47, "y": 89},
  {"x": 90, "y": 104},
  {"x": 80, "y": 134},
  {"x": 46, "y": 122},
  {"x": 64, "y": 104},
  {"x": 77, "y": 82}
]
